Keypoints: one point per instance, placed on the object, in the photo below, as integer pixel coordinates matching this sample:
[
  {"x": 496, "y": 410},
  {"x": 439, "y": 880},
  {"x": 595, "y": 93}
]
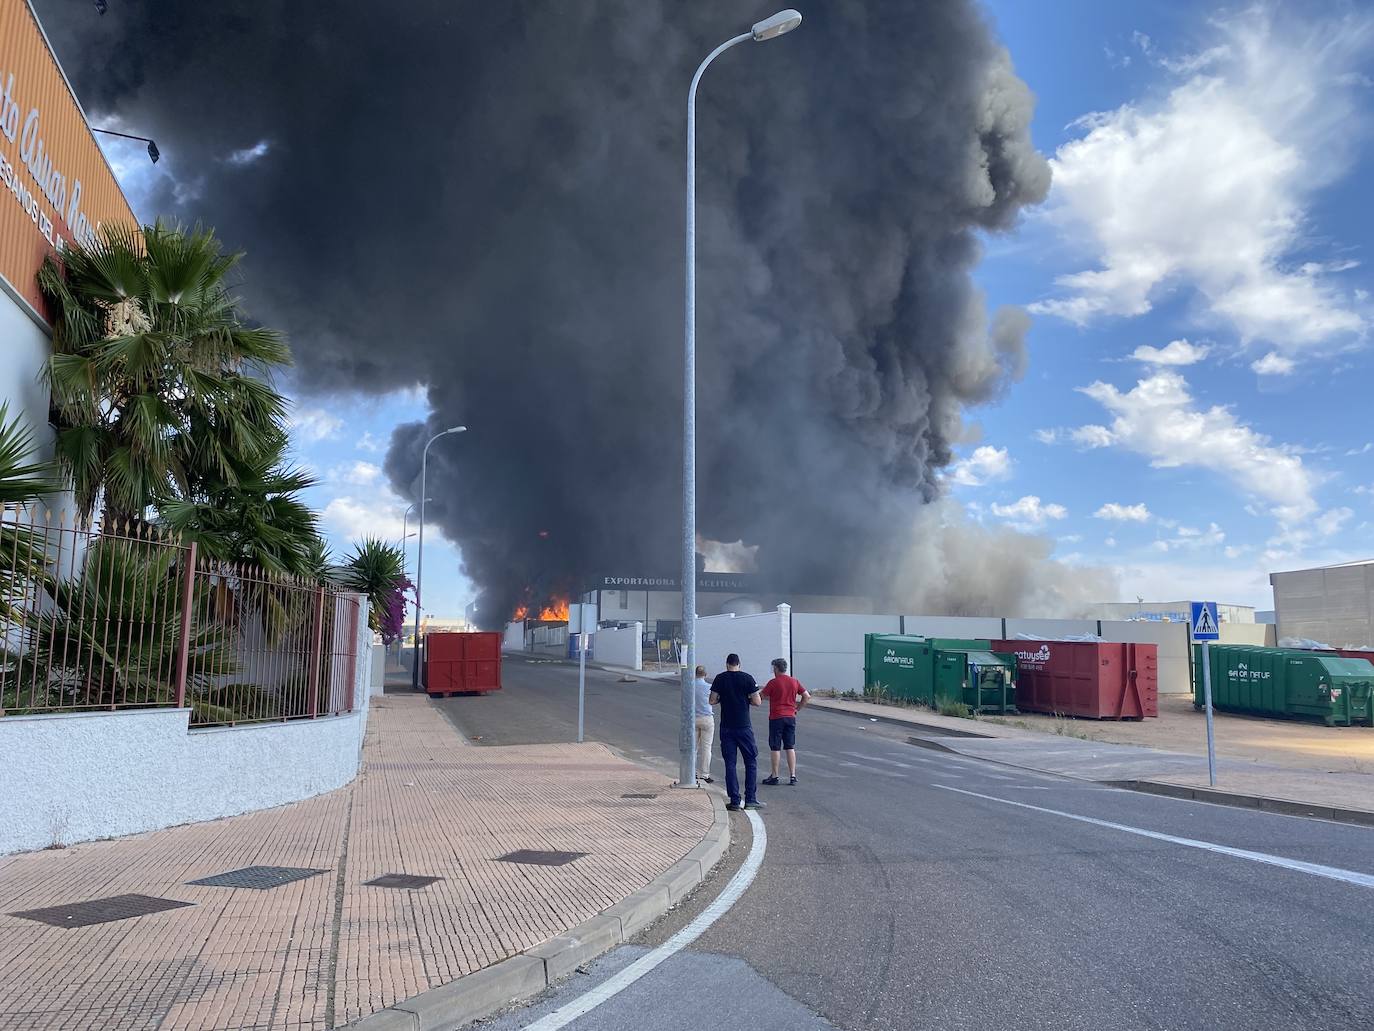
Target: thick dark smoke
[{"x": 487, "y": 198}]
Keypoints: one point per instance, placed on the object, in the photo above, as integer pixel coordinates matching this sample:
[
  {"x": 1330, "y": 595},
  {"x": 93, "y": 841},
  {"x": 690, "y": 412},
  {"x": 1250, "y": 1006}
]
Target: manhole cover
[
  {"x": 641, "y": 794},
  {"x": 533, "y": 857},
  {"x": 402, "y": 880},
  {"x": 101, "y": 911},
  {"x": 261, "y": 877}
]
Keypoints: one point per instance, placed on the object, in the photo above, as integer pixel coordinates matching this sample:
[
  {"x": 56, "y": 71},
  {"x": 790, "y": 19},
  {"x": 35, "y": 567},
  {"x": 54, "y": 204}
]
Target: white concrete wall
[
  {"x": 757, "y": 639},
  {"x": 83, "y": 776},
  {"x": 513, "y": 640},
  {"x": 619, "y": 646},
  {"x": 377, "y": 684},
  {"x": 828, "y": 648},
  {"x": 1051, "y": 627},
  {"x": 1175, "y": 667},
  {"x": 966, "y": 627},
  {"x": 1334, "y": 604},
  {"x": 23, "y": 353},
  {"x": 1245, "y": 633}
]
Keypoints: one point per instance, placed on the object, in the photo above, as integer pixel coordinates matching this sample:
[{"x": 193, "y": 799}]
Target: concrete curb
[
  {"x": 1214, "y": 796},
  {"x": 485, "y": 991},
  {"x": 895, "y": 721},
  {"x": 1264, "y": 803}
]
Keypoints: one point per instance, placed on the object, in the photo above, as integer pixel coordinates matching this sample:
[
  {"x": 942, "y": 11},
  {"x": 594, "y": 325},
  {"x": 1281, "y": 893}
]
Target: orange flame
[
  {"x": 518, "y": 616},
  {"x": 556, "y": 611}
]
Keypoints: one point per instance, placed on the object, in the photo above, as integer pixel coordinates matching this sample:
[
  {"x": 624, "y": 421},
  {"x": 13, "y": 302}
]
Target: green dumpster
[
  {"x": 1287, "y": 682},
  {"x": 939, "y": 671}
]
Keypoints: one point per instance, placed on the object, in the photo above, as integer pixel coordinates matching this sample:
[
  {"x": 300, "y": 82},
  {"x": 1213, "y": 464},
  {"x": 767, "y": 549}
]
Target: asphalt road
[{"x": 907, "y": 888}]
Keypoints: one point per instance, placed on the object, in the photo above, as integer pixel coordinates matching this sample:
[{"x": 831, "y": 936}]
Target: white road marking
[
  {"x": 876, "y": 759},
  {"x": 1334, "y": 873},
  {"x": 874, "y": 769},
  {"x": 617, "y": 983},
  {"x": 815, "y": 771}
]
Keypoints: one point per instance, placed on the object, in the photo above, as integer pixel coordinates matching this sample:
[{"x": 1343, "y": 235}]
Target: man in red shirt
[{"x": 785, "y": 696}]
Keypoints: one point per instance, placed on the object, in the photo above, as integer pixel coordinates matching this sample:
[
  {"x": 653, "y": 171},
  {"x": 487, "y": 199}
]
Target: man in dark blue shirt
[{"x": 736, "y": 691}]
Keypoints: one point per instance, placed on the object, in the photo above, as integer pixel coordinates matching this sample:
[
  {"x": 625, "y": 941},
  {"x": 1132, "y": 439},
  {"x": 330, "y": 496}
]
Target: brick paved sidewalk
[{"x": 324, "y": 950}]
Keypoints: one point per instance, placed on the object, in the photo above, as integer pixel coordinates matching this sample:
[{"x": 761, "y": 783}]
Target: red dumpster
[
  {"x": 462, "y": 663},
  {"x": 1097, "y": 679}
]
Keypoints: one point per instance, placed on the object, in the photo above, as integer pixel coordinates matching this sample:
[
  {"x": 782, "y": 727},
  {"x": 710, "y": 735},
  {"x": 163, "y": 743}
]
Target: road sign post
[
  {"x": 581, "y": 681},
  {"x": 1204, "y": 630}
]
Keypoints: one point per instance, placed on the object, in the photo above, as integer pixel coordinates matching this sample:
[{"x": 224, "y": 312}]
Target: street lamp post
[
  {"x": 405, "y": 534},
  {"x": 783, "y": 21},
  {"x": 420, "y": 551}
]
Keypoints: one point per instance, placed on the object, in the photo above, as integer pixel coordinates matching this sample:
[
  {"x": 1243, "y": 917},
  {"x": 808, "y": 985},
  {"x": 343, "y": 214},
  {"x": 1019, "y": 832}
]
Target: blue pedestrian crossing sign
[{"x": 1204, "y": 622}]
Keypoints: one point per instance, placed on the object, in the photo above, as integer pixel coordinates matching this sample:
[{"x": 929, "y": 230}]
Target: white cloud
[
  {"x": 314, "y": 424},
  {"x": 1123, "y": 513},
  {"x": 1047, "y": 436},
  {"x": 367, "y": 442},
  {"x": 1028, "y": 514},
  {"x": 1110, "y": 542},
  {"x": 985, "y": 465},
  {"x": 249, "y": 154},
  {"x": 1273, "y": 364},
  {"x": 358, "y": 474},
  {"x": 1092, "y": 436},
  {"x": 1357, "y": 451},
  {"x": 1192, "y": 538},
  {"x": 355, "y": 518},
  {"x": 1159, "y": 419},
  {"x": 1176, "y": 352},
  {"x": 1209, "y": 186},
  {"x": 1330, "y": 522}
]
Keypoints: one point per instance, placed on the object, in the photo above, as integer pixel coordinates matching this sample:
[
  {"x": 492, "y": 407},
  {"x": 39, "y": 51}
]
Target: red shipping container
[
  {"x": 462, "y": 663},
  {"x": 1100, "y": 680}
]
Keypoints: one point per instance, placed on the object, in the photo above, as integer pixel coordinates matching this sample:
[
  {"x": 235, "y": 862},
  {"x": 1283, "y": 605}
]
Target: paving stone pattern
[{"x": 330, "y": 946}]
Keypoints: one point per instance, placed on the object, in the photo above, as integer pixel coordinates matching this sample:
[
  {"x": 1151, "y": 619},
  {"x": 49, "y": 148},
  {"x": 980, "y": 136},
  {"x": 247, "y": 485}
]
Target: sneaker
[
  {"x": 754, "y": 805},
  {"x": 792, "y": 783},
  {"x": 734, "y": 807},
  {"x": 707, "y": 780},
  {"x": 770, "y": 781}
]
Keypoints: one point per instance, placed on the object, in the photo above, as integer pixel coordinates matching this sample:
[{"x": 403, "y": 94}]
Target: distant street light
[
  {"x": 769, "y": 28},
  {"x": 153, "y": 152},
  {"x": 420, "y": 551},
  {"x": 405, "y": 523}
]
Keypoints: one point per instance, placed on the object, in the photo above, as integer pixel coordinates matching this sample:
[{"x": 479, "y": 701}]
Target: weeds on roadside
[{"x": 1066, "y": 727}]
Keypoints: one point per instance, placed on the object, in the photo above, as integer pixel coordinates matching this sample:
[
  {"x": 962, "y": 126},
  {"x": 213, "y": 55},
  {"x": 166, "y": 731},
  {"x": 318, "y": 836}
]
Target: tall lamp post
[
  {"x": 405, "y": 534},
  {"x": 782, "y": 22},
  {"x": 420, "y": 551}
]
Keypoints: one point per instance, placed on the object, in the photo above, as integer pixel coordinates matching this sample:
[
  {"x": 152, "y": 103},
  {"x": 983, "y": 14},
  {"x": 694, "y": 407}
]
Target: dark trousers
[{"x": 741, "y": 740}]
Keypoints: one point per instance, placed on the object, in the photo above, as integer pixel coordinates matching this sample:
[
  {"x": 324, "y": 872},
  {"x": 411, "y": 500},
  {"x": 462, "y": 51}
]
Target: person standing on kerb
[{"x": 736, "y": 692}]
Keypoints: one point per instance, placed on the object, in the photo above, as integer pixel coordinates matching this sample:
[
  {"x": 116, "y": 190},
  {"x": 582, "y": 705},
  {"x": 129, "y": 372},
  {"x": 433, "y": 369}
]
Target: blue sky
[{"x": 1195, "y": 411}]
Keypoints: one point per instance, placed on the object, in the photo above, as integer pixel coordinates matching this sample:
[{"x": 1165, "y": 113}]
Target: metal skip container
[
  {"x": 938, "y": 671},
  {"x": 1095, "y": 679},
  {"x": 1288, "y": 682},
  {"x": 462, "y": 663}
]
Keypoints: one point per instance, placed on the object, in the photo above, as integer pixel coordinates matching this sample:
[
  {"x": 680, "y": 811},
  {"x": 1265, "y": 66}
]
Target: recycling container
[
  {"x": 462, "y": 663},
  {"x": 1094, "y": 679},
  {"x": 935, "y": 671},
  {"x": 1287, "y": 682}
]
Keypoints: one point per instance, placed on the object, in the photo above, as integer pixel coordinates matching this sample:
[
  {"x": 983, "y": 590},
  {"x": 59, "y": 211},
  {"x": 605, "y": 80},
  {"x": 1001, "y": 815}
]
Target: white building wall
[
  {"x": 757, "y": 639},
  {"x": 87, "y": 776},
  {"x": 1174, "y": 661},
  {"x": 619, "y": 646},
  {"x": 24, "y": 350},
  {"x": 513, "y": 640},
  {"x": 828, "y": 648},
  {"x": 1050, "y": 627},
  {"x": 965, "y": 627},
  {"x": 1334, "y": 605}
]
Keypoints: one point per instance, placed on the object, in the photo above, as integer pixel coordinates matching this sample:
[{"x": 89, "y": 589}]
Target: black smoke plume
[{"x": 487, "y": 197}]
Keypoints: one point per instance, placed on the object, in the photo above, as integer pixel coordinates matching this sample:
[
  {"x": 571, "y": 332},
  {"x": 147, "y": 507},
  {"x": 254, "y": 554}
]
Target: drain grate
[
  {"x": 534, "y": 857},
  {"x": 641, "y": 794},
  {"x": 401, "y": 880},
  {"x": 260, "y": 877},
  {"x": 101, "y": 911}
]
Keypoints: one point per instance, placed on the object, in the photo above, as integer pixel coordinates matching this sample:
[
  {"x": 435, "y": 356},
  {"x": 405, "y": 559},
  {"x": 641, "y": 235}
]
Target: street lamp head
[
  {"x": 783, "y": 21},
  {"x": 456, "y": 429}
]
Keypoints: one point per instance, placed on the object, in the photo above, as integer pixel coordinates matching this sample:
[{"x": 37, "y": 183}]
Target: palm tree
[
  {"x": 252, "y": 515},
  {"x": 22, "y": 481},
  {"x": 375, "y": 569},
  {"x": 156, "y": 381}
]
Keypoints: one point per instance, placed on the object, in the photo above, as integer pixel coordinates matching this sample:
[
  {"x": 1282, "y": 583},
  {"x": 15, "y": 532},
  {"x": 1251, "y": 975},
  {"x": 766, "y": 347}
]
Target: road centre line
[
  {"x": 876, "y": 759},
  {"x": 1334, "y": 873},
  {"x": 874, "y": 769},
  {"x": 617, "y": 983}
]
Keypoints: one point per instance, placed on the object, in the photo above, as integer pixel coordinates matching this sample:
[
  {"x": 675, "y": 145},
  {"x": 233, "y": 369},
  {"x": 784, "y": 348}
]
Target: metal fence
[{"x": 125, "y": 616}]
